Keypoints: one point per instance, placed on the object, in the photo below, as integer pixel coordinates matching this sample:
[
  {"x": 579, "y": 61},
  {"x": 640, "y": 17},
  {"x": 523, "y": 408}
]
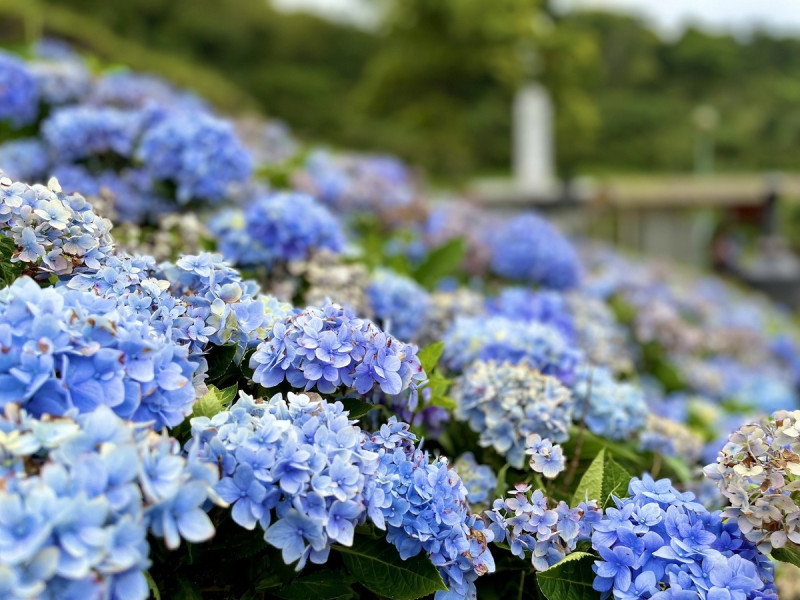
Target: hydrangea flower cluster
[
  {"x": 548, "y": 307},
  {"x": 527, "y": 521},
  {"x": 127, "y": 89},
  {"x": 198, "y": 153},
  {"x": 479, "y": 479},
  {"x": 78, "y": 498},
  {"x": 61, "y": 81},
  {"x": 670, "y": 438},
  {"x": 399, "y": 303},
  {"x": 298, "y": 468},
  {"x": 67, "y": 351},
  {"x": 661, "y": 543},
  {"x": 504, "y": 403},
  {"x": 423, "y": 505},
  {"x": 327, "y": 347},
  {"x": 24, "y": 159},
  {"x": 231, "y": 310},
  {"x": 758, "y": 471},
  {"x": 53, "y": 232},
  {"x": 353, "y": 182},
  {"x": 197, "y": 301},
  {"x": 546, "y": 458},
  {"x": 277, "y": 228},
  {"x": 75, "y": 133},
  {"x": 505, "y": 340},
  {"x": 613, "y": 409},
  {"x": 445, "y": 307},
  {"x": 19, "y": 93},
  {"x": 598, "y": 334},
  {"x": 528, "y": 248}
]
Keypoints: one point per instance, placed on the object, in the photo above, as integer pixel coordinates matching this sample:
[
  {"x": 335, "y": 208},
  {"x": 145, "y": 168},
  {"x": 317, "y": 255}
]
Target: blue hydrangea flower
[
  {"x": 661, "y": 543},
  {"x": 399, "y": 303},
  {"x": 198, "y": 153},
  {"x": 505, "y": 340},
  {"x": 78, "y": 498},
  {"x": 611, "y": 408},
  {"x": 531, "y": 523},
  {"x": 75, "y": 133},
  {"x": 128, "y": 89},
  {"x": 528, "y": 248},
  {"x": 505, "y": 403},
  {"x": 276, "y": 228},
  {"x": 358, "y": 182},
  {"x": 423, "y": 505},
  {"x": 68, "y": 351},
  {"x": 54, "y": 232},
  {"x": 298, "y": 467},
  {"x": 61, "y": 81},
  {"x": 546, "y": 458},
  {"x": 479, "y": 479},
  {"x": 24, "y": 159},
  {"x": 19, "y": 93},
  {"x": 548, "y": 307},
  {"x": 327, "y": 348}
]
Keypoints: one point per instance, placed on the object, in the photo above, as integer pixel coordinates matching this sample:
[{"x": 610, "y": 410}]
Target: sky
[{"x": 669, "y": 17}]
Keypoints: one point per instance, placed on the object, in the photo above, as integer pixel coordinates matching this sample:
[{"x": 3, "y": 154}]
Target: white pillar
[{"x": 534, "y": 148}]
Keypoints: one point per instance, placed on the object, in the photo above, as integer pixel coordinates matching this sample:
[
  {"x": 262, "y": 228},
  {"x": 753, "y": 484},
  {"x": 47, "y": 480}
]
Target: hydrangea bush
[{"x": 172, "y": 426}]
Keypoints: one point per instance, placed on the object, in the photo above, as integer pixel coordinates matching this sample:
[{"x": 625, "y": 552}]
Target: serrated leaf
[
  {"x": 788, "y": 554},
  {"x": 441, "y": 262},
  {"x": 228, "y": 394},
  {"x": 325, "y": 585},
  {"x": 591, "y": 484},
  {"x": 377, "y": 566},
  {"x": 615, "y": 482},
  {"x": 357, "y": 408},
  {"x": 570, "y": 579},
  {"x": 429, "y": 356},
  {"x": 210, "y": 404}
]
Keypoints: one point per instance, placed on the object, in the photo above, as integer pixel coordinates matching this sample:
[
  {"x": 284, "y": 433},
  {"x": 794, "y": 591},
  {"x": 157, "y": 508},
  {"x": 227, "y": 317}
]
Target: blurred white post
[{"x": 534, "y": 149}]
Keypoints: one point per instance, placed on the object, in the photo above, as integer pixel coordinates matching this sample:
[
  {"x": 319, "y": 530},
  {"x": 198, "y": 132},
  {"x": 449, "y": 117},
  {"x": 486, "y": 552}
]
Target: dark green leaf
[
  {"x": 502, "y": 486},
  {"x": 220, "y": 359},
  {"x": 591, "y": 484},
  {"x": 152, "y": 585},
  {"x": 571, "y": 579},
  {"x": 441, "y": 262},
  {"x": 615, "y": 482},
  {"x": 377, "y": 566},
  {"x": 357, "y": 408},
  {"x": 788, "y": 554},
  {"x": 429, "y": 356},
  {"x": 325, "y": 585}
]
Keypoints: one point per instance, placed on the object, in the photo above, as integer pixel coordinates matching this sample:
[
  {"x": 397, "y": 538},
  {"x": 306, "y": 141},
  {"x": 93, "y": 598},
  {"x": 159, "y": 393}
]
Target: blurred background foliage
[{"x": 433, "y": 82}]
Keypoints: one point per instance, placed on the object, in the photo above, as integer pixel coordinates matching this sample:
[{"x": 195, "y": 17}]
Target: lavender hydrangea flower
[
  {"x": 24, "y": 159},
  {"x": 398, "y": 302}
]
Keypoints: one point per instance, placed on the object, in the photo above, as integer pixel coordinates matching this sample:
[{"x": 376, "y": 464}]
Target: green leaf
[
  {"x": 357, "y": 408},
  {"x": 441, "y": 262},
  {"x": 429, "y": 356},
  {"x": 220, "y": 359},
  {"x": 501, "y": 489},
  {"x": 188, "y": 591},
  {"x": 615, "y": 482},
  {"x": 787, "y": 554},
  {"x": 213, "y": 402},
  {"x": 570, "y": 579},
  {"x": 377, "y": 566},
  {"x": 444, "y": 402},
  {"x": 591, "y": 484},
  {"x": 325, "y": 585},
  {"x": 151, "y": 583}
]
